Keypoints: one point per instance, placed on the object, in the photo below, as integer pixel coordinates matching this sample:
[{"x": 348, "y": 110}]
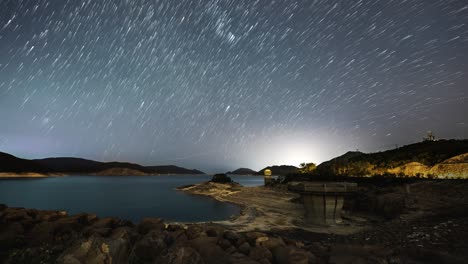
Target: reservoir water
[{"x": 126, "y": 197}]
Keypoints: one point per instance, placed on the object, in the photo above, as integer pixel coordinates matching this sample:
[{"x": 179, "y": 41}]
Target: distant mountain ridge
[
  {"x": 67, "y": 165},
  {"x": 242, "y": 171},
  {"x": 441, "y": 158}
]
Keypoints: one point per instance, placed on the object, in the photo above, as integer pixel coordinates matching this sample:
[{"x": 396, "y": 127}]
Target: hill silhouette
[
  {"x": 242, "y": 171},
  {"x": 68, "y": 165},
  {"x": 417, "y": 157}
]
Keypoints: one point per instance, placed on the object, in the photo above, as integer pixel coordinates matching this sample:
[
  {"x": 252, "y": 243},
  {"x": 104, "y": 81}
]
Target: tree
[
  {"x": 429, "y": 136},
  {"x": 307, "y": 167}
]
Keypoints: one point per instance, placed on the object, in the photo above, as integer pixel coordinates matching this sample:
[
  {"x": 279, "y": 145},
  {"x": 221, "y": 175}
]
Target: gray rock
[
  {"x": 181, "y": 255},
  {"x": 194, "y": 231},
  {"x": 258, "y": 253},
  {"x": 149, "y": 248},
  {"x": 149, "y": 223},
  {"x": 211, "y": 253},
  {"x": 286, "y": 255},
  {"x": 244, "y": 248}
]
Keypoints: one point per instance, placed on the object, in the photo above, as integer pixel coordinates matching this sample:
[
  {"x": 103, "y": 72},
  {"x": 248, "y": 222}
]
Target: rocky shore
[
  {"x": 428, "y": 225},
  {"x": 35, "y": 236}
]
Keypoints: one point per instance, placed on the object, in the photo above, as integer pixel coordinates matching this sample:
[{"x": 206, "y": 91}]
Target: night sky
[{"x": 216, "y": 85}]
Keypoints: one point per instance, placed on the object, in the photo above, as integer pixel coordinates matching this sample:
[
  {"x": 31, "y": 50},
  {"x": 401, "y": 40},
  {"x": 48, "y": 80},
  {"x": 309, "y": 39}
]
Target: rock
[
  {"x": 126, "y": 233},
  {"x": 41, "y": 233},
  {"x": 194, "y": 231},
  {"x": 102, "y": 231},
  {"x": 10, "y": 235},
  {"x": 224, "y": 243},
  {"x": 230, "y": 250},
  {"x": 149, "y": 224},
  {"x": 211, "y": 253},
  {"x": 347, "y": 260},
  {"x": 359, "y": 250},
  {"x": 285, "y": 255},
  {"x": 264, "y": 261},
  {"x": 244, "y": 248},
  {"x": 175, "y": 237},
  {"x": 213, "y": 231},
  {"x": 231, "y": 236},
  {"x": 251, "y": 237},
  {"x": 258, "y": 253},
  {"x": 318, "y": 249},
  {"x": 181, "y": 255},
  {"x": 67, "y": 226},
  {"x": 95, "y": 250},
  {"x": 149, "y": 248},
  {"x": 107, "y": 222},
  {"x": 270, "y": 242},
  {"x": 15, "y": 215},
  {"x": 173, "y": 227},
  {"x": 239, "y": 258},
  {"x": 50, "y": 215},
  {"x": 3, "y": 207}
]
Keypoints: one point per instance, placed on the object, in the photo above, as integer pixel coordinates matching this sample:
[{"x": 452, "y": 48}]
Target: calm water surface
[{"x": 126, "y": 197}]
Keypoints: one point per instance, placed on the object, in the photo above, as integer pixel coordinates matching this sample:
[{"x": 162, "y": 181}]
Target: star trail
[{"x": 229, "y": 83}]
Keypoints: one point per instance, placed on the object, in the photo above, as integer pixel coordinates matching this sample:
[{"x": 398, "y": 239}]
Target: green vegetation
[
  {"x": 221, "y": 178},
  {"x": 307, "y": 167}
]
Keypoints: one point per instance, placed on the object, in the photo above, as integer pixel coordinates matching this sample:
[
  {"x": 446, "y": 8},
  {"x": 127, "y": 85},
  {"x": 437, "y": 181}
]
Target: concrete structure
[
  {"x": 267, "y": 177},
  {"x": 323, "y": 201}
]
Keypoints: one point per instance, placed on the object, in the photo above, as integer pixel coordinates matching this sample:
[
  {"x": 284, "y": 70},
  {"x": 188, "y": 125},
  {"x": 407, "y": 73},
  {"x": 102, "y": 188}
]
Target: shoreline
[{"x": 265, "y": 209}]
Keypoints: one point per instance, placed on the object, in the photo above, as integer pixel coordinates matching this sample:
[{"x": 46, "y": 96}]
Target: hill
[
  {"x": 10, "y": 163},
  {"x": 419, "y": 159},
  {"x": 84, "y": 166},
  {"x": 242, "y": 171},
  {"x": 280, "y": 170},
  {"x": 14, "y": 165},
  {"x": 171, "y": 169}
]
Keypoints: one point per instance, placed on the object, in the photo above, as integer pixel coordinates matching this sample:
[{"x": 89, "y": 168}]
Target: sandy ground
[{"x": 267, "y": 209}]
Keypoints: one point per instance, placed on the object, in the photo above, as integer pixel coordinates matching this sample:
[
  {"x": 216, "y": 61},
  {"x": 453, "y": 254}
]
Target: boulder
[
  {"x": 258, "y": 253},
  {"x": 14, "y": 215},
  {"x": 93, "y": 250},
  {"x": 174, "y": 227},
  {"x": 224, "y": 243},
  {"x": 251, "y": 237},
  {"x": 194, "y": 231},
  {"x": 244, "y": 248},
  {"x": 270, "y": 242},
  {"x": 148, "y": 224},
  {"x": 210, "y": 252},
  {"x": 231, "y": 236},
  {"x": 107, "y": 222},
  {"x": 148, "y": 249},
  {"x": 214, "y": 231},
  {"x": 175, "y": 237},
  {"x": 285, "y": 255},
  {"x": 181, "y": 255}
]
